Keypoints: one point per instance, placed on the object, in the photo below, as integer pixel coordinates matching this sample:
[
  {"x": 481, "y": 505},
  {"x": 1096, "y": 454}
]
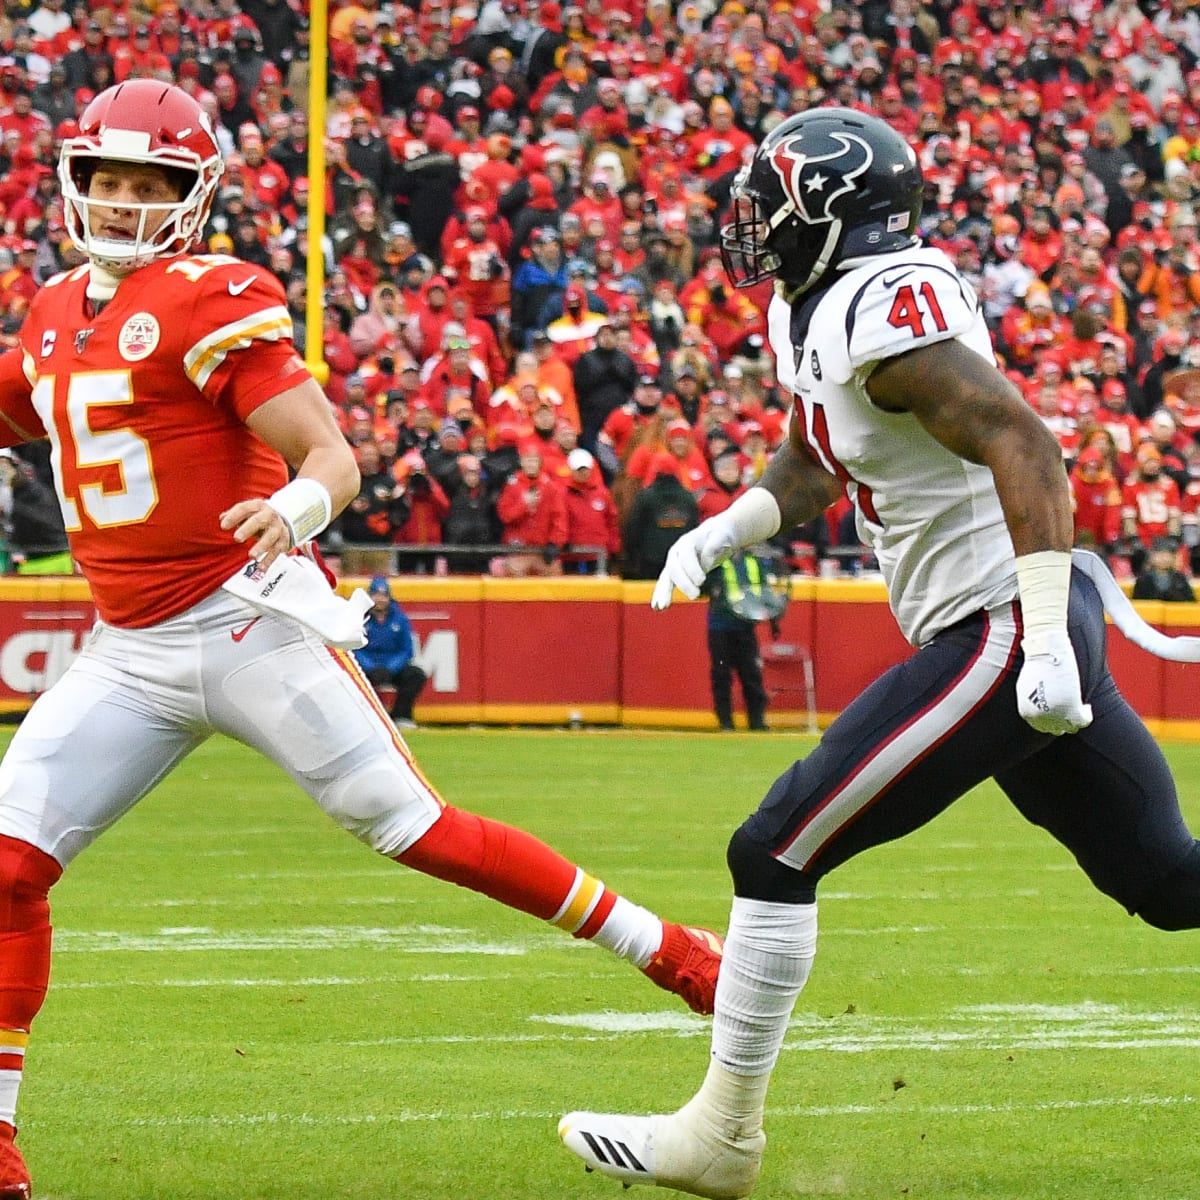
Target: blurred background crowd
[{"x": 531, "y": 342}]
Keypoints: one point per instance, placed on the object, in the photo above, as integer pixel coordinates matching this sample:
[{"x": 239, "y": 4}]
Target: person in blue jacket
[{"x": 387, "y": 658}]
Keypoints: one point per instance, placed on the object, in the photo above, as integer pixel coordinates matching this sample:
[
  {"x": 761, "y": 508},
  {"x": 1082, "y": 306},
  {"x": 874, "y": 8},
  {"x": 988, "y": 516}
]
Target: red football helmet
[{"x": 142, "y": 121}]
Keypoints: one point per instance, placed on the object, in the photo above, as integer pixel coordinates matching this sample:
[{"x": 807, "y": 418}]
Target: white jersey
[{"x": 933, "y": 520}]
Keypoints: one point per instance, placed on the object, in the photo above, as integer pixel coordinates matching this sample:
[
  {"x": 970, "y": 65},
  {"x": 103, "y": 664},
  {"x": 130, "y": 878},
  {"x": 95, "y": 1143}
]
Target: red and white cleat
[
  {"x": 687, "y": 963},
  {"x": 14, "y": 1175}
]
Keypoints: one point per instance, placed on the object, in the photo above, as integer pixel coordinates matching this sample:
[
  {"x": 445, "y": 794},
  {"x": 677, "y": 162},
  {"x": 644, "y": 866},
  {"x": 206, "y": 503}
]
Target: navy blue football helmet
[{"x": 824, "y": 186}]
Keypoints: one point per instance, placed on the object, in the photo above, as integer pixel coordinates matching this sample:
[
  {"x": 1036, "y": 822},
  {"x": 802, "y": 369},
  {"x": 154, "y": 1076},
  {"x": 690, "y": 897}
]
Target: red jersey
[
  {"x": 145, "y": 404},
  {"x": 1151, "y": 504},
  {"x": 533, "y": 511},
  {"x": 1097, "y": 507}
]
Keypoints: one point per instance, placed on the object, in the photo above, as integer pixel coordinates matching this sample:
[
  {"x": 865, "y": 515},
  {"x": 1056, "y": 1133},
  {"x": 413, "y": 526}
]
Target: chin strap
[{"x": 102, "y": 284}]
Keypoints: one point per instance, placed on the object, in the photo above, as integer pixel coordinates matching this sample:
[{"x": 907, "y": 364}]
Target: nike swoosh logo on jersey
[
  {"x": 887, "y": 283},
  {"x": 238, "y": 634},
  {"x": 236, "y": 289}
]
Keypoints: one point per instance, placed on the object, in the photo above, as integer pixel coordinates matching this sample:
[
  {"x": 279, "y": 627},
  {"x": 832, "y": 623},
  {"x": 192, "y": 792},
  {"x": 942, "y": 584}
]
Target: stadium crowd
[{"x": 531, "y": 341}]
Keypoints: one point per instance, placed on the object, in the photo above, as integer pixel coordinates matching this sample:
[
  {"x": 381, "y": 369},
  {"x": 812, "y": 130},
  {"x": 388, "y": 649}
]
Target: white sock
[
  {"x": 631, "y": 932},
  {"x": 769, "y": 951}
]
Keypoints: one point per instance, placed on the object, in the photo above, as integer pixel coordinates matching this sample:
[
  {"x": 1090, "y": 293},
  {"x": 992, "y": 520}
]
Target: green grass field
[{"x": 246, "y": 1003}]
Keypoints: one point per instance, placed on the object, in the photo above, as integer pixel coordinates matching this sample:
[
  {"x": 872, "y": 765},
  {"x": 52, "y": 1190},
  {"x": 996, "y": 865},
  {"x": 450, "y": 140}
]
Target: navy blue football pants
[{"x": 931, "y": 728}]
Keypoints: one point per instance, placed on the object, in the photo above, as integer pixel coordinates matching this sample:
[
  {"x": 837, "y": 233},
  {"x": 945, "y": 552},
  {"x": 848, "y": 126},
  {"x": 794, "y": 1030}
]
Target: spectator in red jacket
[
  {"x": 1096, "y": 501},
  {"x": 532, "y": 507},
  {"x": 591, "y": 515},
  {"x": 427, "y": 503}
]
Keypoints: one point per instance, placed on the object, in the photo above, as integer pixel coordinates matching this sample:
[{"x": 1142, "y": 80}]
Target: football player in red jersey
[{"x": 174, "y": 401}]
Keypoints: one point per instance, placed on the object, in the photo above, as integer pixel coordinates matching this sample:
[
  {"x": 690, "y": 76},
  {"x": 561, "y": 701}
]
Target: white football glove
[
  {"x": 692, "y": 557},
  {"x": 1048, "y": 692}
]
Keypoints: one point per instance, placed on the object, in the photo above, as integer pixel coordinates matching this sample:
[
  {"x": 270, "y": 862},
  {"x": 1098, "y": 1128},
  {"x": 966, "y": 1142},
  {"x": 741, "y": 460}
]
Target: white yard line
[{"x": 810, "y": 1112}]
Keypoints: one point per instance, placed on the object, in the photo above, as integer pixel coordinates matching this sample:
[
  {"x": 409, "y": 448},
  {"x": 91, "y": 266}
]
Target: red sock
[
  {"x": 26, "y": 875},
  {"x": 513, "y": 867}
]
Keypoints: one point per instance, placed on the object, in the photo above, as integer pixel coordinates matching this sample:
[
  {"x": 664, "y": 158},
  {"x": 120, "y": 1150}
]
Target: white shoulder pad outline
[{"x": 903, "y": 306}]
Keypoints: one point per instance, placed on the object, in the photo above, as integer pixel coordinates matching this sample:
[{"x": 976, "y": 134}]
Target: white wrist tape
[
  {"x": 754, "y": 516},
  {"x": 1044, "y": 582},
  {"x": 305, "y": 507}
]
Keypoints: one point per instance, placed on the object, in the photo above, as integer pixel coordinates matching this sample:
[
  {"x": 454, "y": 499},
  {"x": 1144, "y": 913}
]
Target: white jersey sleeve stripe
[{"x": 269, "y": 324}]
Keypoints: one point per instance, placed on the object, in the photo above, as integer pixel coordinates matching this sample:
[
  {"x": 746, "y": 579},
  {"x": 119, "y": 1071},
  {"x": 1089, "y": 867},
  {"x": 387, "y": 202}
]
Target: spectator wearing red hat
[
  {"x": 680, "y": 442},
  {"x": 1150, "y": 505},
  {"x": 532, "y": 509},
  {"x": 1096, "y": 502},
  {"x": 478, "y": 261},
  {"x": 427, "y": 507},
  {"x": 496, "y": 227},
  {"x": 430, "y": 313},
  {"x": 895, "y": 112},
  {"x": 594, "y": 121},
  {"x": 609, "y": 285},
  {"x": 233, "y": 106},
  {"x": 485, "y": 345},
  {"x": 1115, "y": 413},
  {"x": 19, "y": 280},
  {"x": 1062, "y": 66},
  {"x": 530, "y": 207},
  {"x": 575, "y": 331},
  {"x": 270, "y": 96},
  {"x": 468, "y": 144}
]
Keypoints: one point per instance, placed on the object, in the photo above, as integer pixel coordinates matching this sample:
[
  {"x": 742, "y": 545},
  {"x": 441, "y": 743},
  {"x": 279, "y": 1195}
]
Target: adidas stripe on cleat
[{"x": 676, "y": 1151}]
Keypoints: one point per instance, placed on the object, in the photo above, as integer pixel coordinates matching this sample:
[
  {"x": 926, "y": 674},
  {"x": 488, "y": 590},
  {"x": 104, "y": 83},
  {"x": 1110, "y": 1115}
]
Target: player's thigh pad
[
  {"x": 310, "y": 709},
  {"x": 87, "y": 751}
]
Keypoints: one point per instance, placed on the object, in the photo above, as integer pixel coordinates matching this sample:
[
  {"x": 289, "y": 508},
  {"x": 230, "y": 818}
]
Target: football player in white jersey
[{"x": 961, "y": 492}]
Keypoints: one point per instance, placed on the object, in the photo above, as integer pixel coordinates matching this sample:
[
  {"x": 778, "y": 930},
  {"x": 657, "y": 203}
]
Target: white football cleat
[{"x": 677, "y": 1151}]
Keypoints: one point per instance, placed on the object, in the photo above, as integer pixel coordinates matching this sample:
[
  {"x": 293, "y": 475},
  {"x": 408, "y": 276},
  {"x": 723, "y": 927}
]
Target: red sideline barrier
[{"x": 554, "y": 651}]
